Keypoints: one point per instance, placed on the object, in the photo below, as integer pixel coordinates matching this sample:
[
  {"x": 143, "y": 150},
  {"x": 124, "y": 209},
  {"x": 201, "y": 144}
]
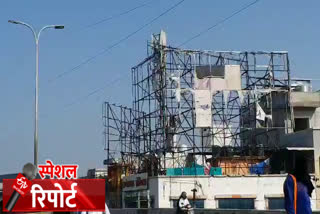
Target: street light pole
[{"x": 36, "y": 38}]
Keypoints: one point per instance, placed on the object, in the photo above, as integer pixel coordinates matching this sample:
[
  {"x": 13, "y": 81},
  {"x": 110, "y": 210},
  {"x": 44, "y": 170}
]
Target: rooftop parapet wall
[
  {"x": 304, "y": 138},
  {"x": 303, "y": 99},
  {"x": 197, "y": 211},
  {"x": 163, "y": 189}
]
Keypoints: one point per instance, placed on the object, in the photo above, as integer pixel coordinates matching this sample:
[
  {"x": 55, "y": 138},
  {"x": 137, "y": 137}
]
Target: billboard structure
[{"x": 190, "y": 102}]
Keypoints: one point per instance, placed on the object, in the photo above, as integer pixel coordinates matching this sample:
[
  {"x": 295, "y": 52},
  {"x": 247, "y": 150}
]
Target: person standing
[
  {"x": 298, "y": 189},
  {"x": 105, "y": 212},
  {"x": 183, "y": 204}
]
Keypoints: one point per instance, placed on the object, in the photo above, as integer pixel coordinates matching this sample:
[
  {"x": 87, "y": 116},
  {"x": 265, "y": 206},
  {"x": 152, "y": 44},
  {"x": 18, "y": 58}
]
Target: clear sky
[{"x": 74, "y": 134}]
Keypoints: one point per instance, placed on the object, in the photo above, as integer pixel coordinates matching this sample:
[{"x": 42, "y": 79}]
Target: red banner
[{"x": 58, "y": 195}]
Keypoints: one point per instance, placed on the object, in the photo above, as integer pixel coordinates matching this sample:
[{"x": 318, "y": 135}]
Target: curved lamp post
[{"x": 36, "y": 37}]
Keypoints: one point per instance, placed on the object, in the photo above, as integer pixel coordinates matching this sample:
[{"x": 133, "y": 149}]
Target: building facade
[{"x": 264, "y": 192}]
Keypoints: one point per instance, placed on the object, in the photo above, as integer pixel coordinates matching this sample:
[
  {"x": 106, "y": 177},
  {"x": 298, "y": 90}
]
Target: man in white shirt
[
  {"x": 183, "y": 203},
  {"x": 106, "y": 211}
]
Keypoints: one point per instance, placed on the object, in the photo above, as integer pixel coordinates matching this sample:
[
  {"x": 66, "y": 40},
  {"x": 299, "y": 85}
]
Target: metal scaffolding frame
[{"x": 160, "y": 126}]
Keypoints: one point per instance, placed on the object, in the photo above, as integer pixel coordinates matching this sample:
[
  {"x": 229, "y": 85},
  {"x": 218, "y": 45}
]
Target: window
[
  {"x": 206, "y": 71},
  {"x": 199, "y": 203},
  {"x": 144, "y": 203},
  {"x": 138, "y": 199},
  {"x": 276, "y": 203},
  {"x": 301, "y": 124},
  {"x": 131, "y": 200},
  {"x": 236, "y": 203}
]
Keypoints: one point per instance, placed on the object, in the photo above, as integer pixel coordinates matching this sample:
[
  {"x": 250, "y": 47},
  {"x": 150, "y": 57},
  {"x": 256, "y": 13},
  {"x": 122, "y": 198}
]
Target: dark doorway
[{"x": 301, "y": 124}]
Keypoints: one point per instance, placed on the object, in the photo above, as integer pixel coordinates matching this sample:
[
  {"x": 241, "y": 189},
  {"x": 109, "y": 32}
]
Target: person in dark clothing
[
  {"x": 298, "y": 189},
  {"x": 301, "y": 174}
]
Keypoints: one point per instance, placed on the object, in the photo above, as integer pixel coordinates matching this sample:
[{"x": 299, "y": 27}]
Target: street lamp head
[
  {"x": 14, "y": 22},
  {"x": 58, "y": 27}
]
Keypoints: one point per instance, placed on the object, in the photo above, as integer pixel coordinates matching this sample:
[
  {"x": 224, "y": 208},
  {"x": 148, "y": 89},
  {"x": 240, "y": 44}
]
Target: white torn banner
[
  {"x": 269, "y": 116},
  {"x": 264, "y": 90},
  {"x": 203, "y": 112},
  {"x": 260, "y": 115},
  {"x": 178, "y": 95},
  {"x": 241, "y": 96},
  {"x": 175, "y": 78},
  {"x": 225, "y": 98}
]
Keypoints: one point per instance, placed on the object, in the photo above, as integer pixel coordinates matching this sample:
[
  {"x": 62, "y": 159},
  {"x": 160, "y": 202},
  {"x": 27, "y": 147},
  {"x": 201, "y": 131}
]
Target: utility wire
[
  {"x": 108, "y": 84},
  {"x": 118, "y": 15},
  {"x": 105, "y": 50},
  {"x": 139, "y": 29},
  {"x": 78, "y": 100},
  {"x": 220, "y": 22}
]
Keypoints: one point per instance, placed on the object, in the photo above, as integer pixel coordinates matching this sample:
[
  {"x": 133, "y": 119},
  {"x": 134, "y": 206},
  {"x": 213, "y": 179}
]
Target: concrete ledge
[
  {"x": 305, "y": 99},
  {"x": 221, "y": 176},
  {"x": 236, "y": 196},
  {"x": 274, "y": 195},
  {"x": 198, "y": 197}
]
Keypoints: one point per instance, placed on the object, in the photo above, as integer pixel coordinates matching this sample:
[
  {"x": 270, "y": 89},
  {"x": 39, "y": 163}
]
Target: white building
[
  {"x": 219, "y": 192},
  {"x": 97, "y": 173}
]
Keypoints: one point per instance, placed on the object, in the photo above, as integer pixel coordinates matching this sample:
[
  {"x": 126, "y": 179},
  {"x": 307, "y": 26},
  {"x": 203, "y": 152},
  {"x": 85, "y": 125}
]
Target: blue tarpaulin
[
  {"x": 215, "y": 171},
  {"x": 193, "y": 171},
  {"x": 174, "y": 171},
  {"x": 258, "y": 168},
  {"x": 185, "y": 171}
]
